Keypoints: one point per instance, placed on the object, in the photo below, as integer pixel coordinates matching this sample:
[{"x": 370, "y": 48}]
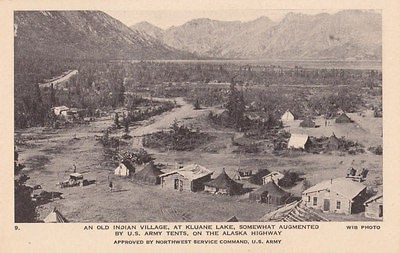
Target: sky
[{"x": 167, "y": 18}]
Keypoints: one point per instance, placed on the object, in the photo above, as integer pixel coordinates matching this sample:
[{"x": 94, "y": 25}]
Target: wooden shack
[
  {"x": 189, "y": 178},
  {"x": 374, "y": 207},
  {"x": 339, "y": 195}
]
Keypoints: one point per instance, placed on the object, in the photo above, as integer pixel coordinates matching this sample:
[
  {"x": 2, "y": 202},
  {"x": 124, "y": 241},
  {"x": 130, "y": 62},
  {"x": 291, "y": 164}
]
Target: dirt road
[{"x": 165, "y": 120}]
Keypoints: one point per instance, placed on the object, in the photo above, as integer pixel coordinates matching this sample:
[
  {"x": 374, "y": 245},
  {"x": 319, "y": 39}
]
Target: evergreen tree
[
  {"x": 196, "y": 104},
  {"x": 236, "y": 106},
  {"x": 126, "y": 125},
  {"x": 116, "y": 121}
]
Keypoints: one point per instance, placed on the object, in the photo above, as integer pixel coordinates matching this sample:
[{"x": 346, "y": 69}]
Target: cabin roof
[{"x": 343, "y": 186}]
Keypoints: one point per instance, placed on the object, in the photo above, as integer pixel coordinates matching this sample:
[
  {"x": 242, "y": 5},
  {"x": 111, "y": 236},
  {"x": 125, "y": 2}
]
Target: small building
[
  {"x": 149, "y": 174},
  {"x": 333, "y": 143},
  {"x": 339, "y": 195},
  {"x": 223, "y": 184},
  {"x": 274, "y": 176},
  {"x": 288, "y": 116},
  {"x": 343, "y": 118},
  {"x": 60, "y": 110},
  {"x": 55, "y": 217},
  {"x": 124, "y": 169},
  {"x": 299, "y": 141},
  {"x": 243, "y": 174},
  {"x": 374, "y": 207},
  {"x": 307, "y": 123},
  {"x": 293, "y": 212},
  {"x": 189, "y": 178},
  {"x": 269, "y": 193}
]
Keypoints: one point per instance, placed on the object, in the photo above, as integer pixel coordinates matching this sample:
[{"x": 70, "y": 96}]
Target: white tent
[
  {"x": 55, "y": 217},
  {"x": 122, "y": 170},
  {"x": 287, "y": 116},
  {"x": 298, "y": 141}
]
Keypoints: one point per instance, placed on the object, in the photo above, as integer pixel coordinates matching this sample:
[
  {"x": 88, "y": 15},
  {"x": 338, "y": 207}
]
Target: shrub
[
  {"x": 179, "y": 138},
  {"x": 376, "y": 150},
  {"x": 290, "y": 179},
  {"x": 257, "y": 177}
]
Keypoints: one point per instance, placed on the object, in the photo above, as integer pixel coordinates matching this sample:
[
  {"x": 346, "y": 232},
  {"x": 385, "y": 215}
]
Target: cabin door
[
  {"x": 178, "y": 184},
  {"x": 380, "y": 211},
  {"x": 326, "y": 205}
]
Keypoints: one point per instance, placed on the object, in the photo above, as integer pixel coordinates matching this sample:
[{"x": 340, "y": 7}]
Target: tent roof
[
  {"x": 307, "y": 121},
  {"x": 223, "y": 181},
  {"x": 287, "y": 114},
  {"x": 149, "y": 171},
  {"x": 233, "y": 219},
  {"x": 272, "y": 189},
  {"x": 55, "y": 217},
  {"x": 295, "y": 211},
  {"x": 343, "y": 116},
  {"x": 333, "y": 138},
  {"x": 297, "y": 140},
  {"x": 343, "y": 186}
]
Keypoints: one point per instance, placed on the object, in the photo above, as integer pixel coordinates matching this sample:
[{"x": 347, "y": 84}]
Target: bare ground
[{"x": 49, "y": 157}]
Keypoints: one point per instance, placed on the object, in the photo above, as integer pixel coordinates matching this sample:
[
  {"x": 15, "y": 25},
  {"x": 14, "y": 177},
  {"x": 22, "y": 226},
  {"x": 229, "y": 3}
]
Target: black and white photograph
[{"x": 254, "y": 115}]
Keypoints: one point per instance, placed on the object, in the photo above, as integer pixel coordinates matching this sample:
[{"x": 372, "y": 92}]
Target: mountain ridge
[
  {"x": 84, "y": 34},
  {"x": 347, "y": 34}
]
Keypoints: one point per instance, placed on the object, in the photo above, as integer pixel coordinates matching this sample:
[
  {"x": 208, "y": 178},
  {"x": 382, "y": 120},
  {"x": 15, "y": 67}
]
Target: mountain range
[
  {"x": 84, "y": 34},
  {"x": 348, "y": 34}
]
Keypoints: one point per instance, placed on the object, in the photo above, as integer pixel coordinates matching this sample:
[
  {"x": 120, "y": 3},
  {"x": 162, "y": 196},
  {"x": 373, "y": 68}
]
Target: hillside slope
[{"x": 84, "y": 34}]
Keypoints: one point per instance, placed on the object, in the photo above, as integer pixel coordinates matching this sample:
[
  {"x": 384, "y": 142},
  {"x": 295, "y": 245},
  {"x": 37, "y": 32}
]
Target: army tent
[
  {"x": 307, "y": 123},
  {"x": 299, "y": 141},
  {"x": 55, "y": 217},
  {"x": 287, "y": 116},
  {"x": 233, "y": 219},
  {"x": 269, "y": 193},
  {"x": 343, "y": 118},
  {"x": 149, "y": 174},
  {"x": 333, "y": 143},
  {"x": 223, "y": 184}
]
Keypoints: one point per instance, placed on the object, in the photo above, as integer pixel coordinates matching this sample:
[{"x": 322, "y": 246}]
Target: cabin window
[
  {"x": 314, "y": 201},
  {"x": 337, "y": 204},
  {"x": 308, "y": 198}
]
